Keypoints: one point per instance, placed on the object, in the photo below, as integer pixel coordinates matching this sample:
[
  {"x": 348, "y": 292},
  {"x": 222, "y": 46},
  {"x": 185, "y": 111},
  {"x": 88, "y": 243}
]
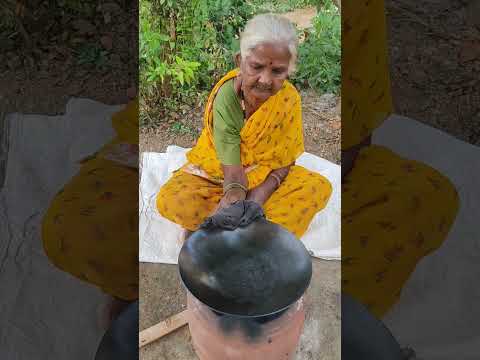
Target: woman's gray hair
[{"x": 270, "y": 28}]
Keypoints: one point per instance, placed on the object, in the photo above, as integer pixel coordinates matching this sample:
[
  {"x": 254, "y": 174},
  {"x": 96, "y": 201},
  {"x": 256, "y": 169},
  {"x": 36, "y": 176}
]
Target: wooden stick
[{"x": 163, "y": 328}]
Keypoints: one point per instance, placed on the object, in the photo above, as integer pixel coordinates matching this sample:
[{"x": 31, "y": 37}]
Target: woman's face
[{"x": 264, "y": 70}]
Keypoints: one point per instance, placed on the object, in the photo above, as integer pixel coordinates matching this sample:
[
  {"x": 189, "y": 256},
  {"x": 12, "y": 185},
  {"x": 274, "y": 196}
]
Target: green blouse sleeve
[{"x": 227, "y": 124}]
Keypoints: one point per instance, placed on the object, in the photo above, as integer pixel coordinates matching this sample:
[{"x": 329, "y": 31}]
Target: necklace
[{"x": 242, "y": 102}]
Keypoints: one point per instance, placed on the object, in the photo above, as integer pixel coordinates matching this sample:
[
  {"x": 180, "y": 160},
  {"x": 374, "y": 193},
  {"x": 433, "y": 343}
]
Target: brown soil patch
[
  {"x": 435, "y": 61},
  {"x": 90, "y": 53},
  {"x": 302, "y": 17}
]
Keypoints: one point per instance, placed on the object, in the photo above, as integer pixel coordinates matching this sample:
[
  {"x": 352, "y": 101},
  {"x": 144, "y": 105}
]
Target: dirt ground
[
  {"x": 435, "y": 62},
  {"x": 83, "y": 50},
  {"x": 302, "y": 17}
]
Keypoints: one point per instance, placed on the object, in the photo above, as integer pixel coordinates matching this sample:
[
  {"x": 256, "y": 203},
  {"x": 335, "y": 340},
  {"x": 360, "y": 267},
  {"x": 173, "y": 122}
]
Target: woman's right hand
[
  {"x": 229, "y": 198},
  {"x": 233, "y": 174}
]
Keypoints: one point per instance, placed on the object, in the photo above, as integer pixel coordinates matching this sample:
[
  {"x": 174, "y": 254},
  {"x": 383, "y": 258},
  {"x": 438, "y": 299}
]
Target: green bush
[
  {"x": 319, "y": 62},
  {"x": 185, "y": 46}
]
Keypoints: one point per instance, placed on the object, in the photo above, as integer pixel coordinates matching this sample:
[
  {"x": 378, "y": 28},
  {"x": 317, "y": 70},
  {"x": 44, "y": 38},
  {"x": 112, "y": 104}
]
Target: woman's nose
[{"x": 266, "y": 78}]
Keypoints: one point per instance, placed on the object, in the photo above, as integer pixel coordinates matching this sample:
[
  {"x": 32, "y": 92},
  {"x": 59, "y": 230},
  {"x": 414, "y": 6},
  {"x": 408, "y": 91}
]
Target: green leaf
[
  {"x": 180, "y": 78},
  {"x": 188, "y": 73},
  {"x": 151, "y": 77}
]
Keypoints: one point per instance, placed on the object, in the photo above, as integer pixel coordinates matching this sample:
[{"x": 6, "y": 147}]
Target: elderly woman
[
  {"x": 395, "y": 211},
  {"x": 251, "y": 138}
]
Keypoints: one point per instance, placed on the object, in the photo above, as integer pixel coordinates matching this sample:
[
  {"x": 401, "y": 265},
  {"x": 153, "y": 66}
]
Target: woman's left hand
[
  {"x": 259, "y": 194},
  {"x": 262, "y": 192}
]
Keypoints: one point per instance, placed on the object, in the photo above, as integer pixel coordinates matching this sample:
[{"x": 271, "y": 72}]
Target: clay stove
[{"x": 216, "y": 336}]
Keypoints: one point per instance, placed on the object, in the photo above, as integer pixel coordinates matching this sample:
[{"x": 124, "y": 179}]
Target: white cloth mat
[
  {"x": 45, "y": 313},
  {"x": 160, "y": 239},
  {"x": 438, "y": 313}
]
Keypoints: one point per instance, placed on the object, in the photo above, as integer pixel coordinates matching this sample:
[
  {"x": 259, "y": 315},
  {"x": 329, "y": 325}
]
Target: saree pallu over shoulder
[
  {"x": 126, "y": 122},
  {"x": 366, "y": 93},
  {"x": 270, "y": 139},
  {"x": 123, "y": 148}
]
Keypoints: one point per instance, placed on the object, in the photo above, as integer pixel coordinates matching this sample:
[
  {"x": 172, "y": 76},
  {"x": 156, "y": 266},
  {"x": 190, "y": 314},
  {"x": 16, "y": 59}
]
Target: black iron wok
[
  {"x": 364, "y": 337},
  {"x": 120, "y": 342},
  {"x": 257, "y": 270}
]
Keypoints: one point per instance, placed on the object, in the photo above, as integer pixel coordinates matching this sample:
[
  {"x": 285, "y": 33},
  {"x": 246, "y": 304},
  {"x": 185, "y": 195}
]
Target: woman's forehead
[{"x": 277, "y": 54}]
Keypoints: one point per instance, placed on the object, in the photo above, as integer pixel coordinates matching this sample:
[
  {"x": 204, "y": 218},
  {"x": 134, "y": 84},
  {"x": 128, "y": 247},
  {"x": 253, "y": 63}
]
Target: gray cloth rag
[{"x": 240, "y": 214}]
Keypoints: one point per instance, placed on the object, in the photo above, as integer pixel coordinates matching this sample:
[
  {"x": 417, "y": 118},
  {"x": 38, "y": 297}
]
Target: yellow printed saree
[
  {"x": 91, "y": 227},
  {"x": 270, "y": 139},
  {"x": 395, "y": 211}
]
